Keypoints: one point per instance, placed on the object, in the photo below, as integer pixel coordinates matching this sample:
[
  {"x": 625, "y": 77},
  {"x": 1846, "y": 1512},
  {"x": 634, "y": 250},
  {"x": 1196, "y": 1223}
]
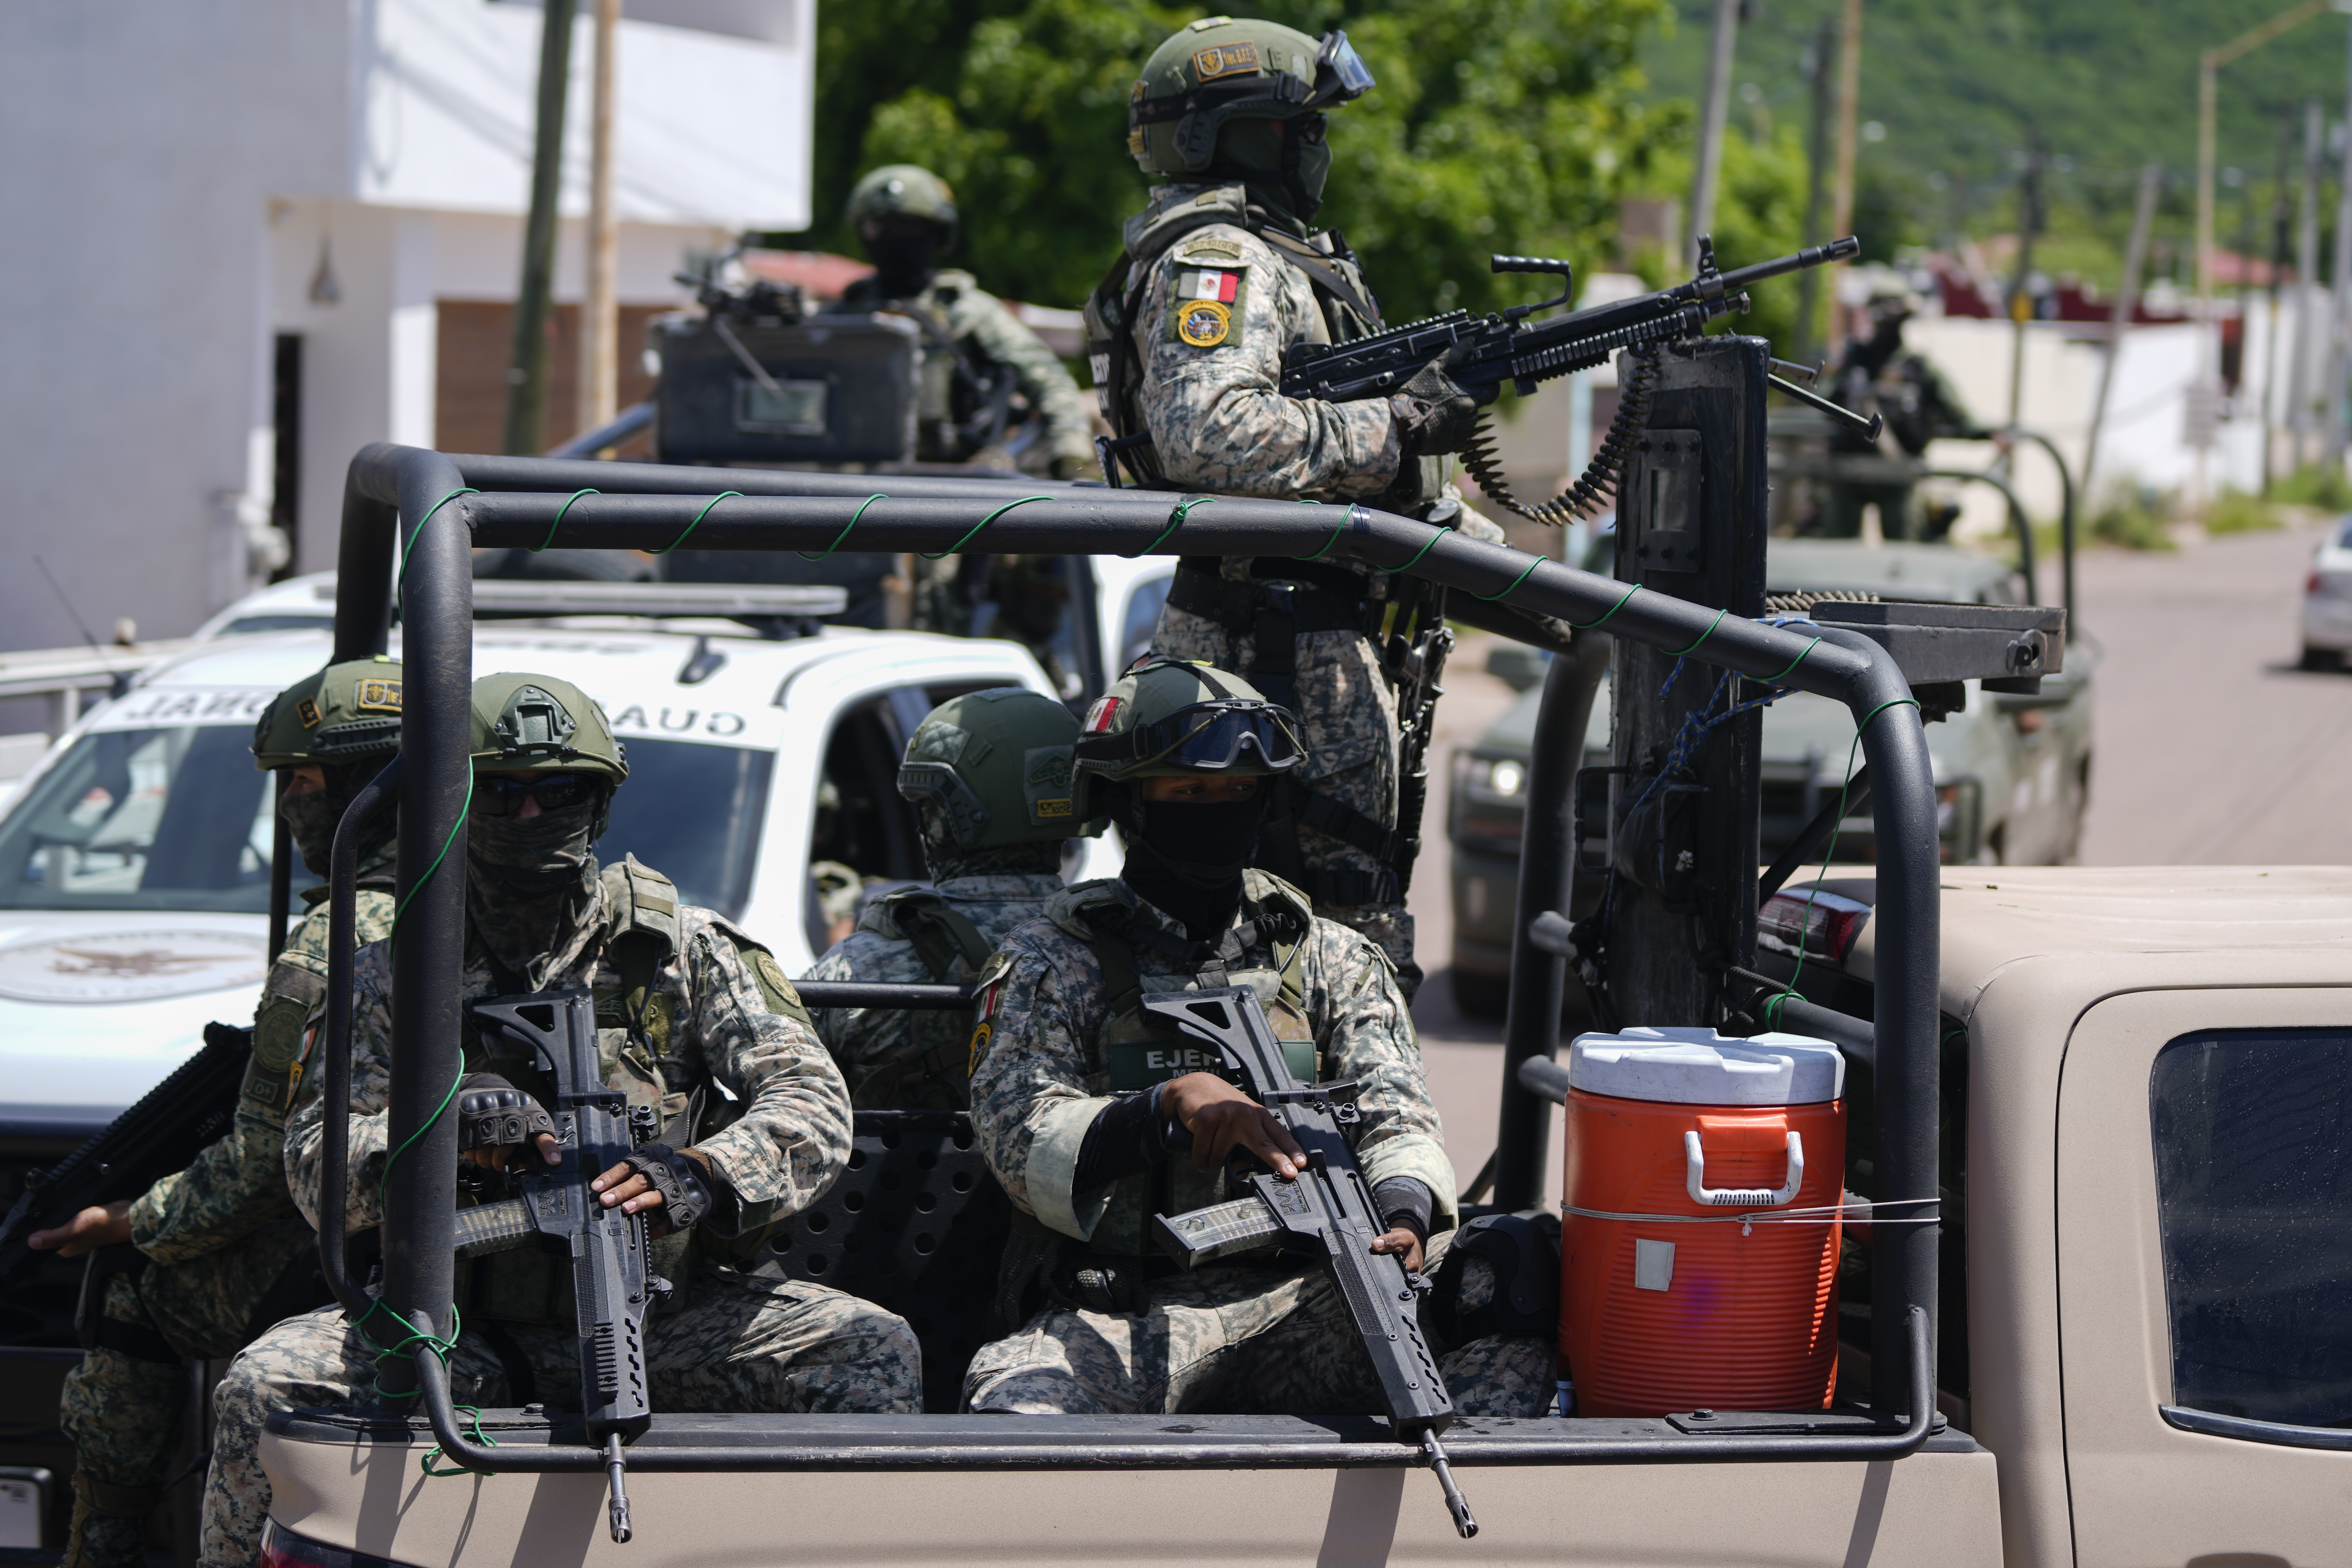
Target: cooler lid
[{"x": 1699, "y": 1067}]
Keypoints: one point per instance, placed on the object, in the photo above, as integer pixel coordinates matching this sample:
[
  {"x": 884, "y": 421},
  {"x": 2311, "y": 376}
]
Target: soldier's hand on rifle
[
  {"x": 1435, "y": 413},
  {"x": 497, "y": 1121},
  {"x": 1222, "y": 1119},
  {"x": 1401, "y": 1241},
  {"x": 676, "y": 1181},
  {"x": 93, "y": 1228}
]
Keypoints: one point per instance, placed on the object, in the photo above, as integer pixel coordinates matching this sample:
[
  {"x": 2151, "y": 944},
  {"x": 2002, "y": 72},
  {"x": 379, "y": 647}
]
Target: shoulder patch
[
  {"x": 1210, "y": 247},
  {"x": 771, "y": 977},
  {"x": 1204, "y": 300},
  {"x": 1203, "y": 324}
]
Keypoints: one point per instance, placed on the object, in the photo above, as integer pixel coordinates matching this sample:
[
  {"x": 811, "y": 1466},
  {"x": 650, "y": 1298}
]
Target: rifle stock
[
  {"x": 1327, "y": 1213},
  {"x": 169, "y": 1126}
]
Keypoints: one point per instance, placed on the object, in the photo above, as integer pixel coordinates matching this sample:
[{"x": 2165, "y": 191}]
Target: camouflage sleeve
[
  {"x": 862, "y": 1038},
  {"x": 1474, "y": 523},
  {"x": 367, "y": 1109},
  {"x": 1031, "y": 1105},
  {"x": 1211, "y": 385},
  {"x": 1000, "y": 336},
  {"x": 1365, "y": 1030},
  {"x": 792, "y": 1137}
]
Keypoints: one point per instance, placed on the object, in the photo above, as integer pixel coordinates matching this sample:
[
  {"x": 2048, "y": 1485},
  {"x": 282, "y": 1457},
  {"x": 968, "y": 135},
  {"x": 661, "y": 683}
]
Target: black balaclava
[
  {"x": 905, "y": 256},
  {"x": 1187, "y": 856},
  {"x": 1283, "y": 170},
  {"x": 944, "y": 859},
  {"x": 311, "y": 818},
  {"x": 527, "y": 881}
]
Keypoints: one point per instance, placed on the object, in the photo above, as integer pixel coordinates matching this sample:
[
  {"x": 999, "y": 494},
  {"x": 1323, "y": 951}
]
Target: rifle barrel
[{"x": 1811, "y": 255}]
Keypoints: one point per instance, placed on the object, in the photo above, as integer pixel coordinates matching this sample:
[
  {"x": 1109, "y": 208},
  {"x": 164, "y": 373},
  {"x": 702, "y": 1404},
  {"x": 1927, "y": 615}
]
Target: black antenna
[{"x": 68, "y": 604}]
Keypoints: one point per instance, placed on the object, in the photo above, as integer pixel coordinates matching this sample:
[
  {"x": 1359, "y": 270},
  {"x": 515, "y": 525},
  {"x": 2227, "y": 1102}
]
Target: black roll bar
[{"x": 414, "y": 498}]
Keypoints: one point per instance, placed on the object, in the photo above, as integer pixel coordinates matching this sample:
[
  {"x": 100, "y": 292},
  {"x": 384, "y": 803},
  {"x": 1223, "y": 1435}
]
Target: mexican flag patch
[{"x": 1203, "y": 302}]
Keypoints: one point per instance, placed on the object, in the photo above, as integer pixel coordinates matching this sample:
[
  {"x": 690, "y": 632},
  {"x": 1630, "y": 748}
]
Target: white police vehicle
[{"x": 134, "y": 863}]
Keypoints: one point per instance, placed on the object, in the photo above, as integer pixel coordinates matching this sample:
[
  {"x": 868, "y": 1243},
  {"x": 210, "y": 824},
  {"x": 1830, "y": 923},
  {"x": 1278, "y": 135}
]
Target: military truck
[{"x": 2090, "y": 1309}]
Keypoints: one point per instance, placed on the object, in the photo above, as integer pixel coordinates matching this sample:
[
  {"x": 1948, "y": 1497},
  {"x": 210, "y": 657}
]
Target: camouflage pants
[
  {"x": 740, "y": 1345},
  {"x": 1240, "y": 1342},
  {"x": 1347, "y": 712}
]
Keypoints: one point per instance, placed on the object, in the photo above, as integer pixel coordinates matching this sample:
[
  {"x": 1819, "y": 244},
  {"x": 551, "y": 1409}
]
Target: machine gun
[
  {"x": 1487, "y": 351},
  {"x": 167, "y": 1128},
  {"x": 559, "y": 1213},
  {"x": 1327, "y": 1213}
]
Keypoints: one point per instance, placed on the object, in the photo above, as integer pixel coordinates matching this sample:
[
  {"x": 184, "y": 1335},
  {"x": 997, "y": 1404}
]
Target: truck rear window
[{"x": 2253, "y": 1173}]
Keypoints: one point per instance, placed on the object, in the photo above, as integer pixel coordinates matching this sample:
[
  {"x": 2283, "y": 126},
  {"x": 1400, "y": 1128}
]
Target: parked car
[
  {"x": 2013, "y": 772},
  {"x": 2327, "y": 600}
]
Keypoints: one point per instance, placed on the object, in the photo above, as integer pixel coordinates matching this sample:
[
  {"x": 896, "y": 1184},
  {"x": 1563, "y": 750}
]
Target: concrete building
[{"x": 243, "y": 239}]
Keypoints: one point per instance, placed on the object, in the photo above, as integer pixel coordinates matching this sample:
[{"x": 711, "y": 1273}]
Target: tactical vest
[
  {"x": 962, "y": 402},
  {"x": 933, "y": 1070},
  {"x": 1135, "y": 1050},
  {"x": 634, "y": 1027},
  {"x": 274, "y": 1076},
  {"x": 1346, "y": 311}
]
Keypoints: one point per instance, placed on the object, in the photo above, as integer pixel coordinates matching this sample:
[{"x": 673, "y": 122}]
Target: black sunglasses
[{"x": 495, "y": 796}]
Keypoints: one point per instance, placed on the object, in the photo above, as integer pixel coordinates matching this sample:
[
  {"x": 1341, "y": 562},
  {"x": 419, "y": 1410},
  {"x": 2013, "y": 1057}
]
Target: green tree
[
  {"x": 1759, "y": 213},
  {"x": 1498, "y": 126}
]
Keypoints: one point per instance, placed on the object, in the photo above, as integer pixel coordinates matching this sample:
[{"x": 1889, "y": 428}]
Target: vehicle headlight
[{"x": 1495, "y": 778}]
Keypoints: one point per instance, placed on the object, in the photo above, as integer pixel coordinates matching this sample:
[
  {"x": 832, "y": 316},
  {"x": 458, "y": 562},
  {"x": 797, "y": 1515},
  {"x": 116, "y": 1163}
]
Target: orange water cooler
[{"x": 1699, "y": 1231}]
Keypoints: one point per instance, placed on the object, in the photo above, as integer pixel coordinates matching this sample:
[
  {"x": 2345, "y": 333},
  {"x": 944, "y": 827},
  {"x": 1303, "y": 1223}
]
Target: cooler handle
[{"x": 1694, "y": 1180}]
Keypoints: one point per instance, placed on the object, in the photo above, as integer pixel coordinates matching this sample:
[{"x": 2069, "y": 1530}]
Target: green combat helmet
[
  {"x": 539, "y": 722},
  {"x": 903, "y": 190},
  {"x": 992, "y": 770},
  {"x": 1221, "y": 69},
  {"x": 1168, "y": 717},
  {"x": 345, "y": 713}
]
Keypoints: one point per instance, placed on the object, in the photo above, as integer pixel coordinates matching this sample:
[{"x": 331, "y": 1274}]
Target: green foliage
[
  {"x": 2315, "y": 485},
  {"x": 1759, "y": 213},
  {"x": 2132, "y": 518},
  {"x": 2234, "y": 511},
  {"x": 1498, "y": 126},
  {"x": 1962, "y": 87}
]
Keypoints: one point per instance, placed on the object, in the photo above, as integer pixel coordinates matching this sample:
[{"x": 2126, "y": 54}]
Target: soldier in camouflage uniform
[
  {"x": 978, "y": 354},
  {"x": 1082, "y": 1103},
  {"x": 988, "y": 776},
  {"x": 220, "y": 1251},
  {"x": 1222, "y": 274},
  {"x": 686, "y": 1005}
]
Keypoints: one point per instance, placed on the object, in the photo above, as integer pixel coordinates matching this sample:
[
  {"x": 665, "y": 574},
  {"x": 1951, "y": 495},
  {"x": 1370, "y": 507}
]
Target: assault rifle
[
  {"x": 162, "y": 1133},
  {"x": 1490, "y": 350},
  {"x": 1484, "y": 352},
  {"x": 1327, "y": 1213},
  {"x": 598, "y": 1128}
]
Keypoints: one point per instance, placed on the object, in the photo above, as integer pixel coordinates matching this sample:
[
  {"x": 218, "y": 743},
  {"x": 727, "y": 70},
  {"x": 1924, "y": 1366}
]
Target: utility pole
[
  {"x": 2306, "y": 297},
  {"x": 2020, "y": 296},
  {"x": 1817, "y": 158},
  {"x": 527, "y": 371},
  {"x": 2209, "y": 68},
  {"x": 1716, "y": 111},
  {"x": 2278, "y": 270},
  {"x": 2151, "y": 181},
  {"x": 2339, "y": 322},
  {"x": 600, "y": 313},
  {"x": 1849, "y": 103}
]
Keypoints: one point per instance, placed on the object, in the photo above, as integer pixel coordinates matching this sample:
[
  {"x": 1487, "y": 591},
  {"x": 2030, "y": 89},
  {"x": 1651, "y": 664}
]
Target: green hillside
[{"x": 1962, "y": 87}]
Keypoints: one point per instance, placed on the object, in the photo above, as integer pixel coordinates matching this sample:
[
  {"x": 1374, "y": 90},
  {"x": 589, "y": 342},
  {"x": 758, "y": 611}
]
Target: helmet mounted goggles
[{"x": 1207, "y": 737}]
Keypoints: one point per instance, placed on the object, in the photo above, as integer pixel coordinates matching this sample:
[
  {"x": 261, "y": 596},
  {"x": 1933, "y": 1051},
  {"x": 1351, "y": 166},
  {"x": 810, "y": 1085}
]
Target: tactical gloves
[
  {"x": 684, "y": 1194},
  {"x": 1435, "y": 413},
  {"x": 494, "y": 1114}
]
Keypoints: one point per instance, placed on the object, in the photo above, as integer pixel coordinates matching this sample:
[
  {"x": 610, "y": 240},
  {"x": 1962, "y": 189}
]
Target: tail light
[
  {"x": 1822, "y": 923},
  {"x": 284, "y": 1548}
]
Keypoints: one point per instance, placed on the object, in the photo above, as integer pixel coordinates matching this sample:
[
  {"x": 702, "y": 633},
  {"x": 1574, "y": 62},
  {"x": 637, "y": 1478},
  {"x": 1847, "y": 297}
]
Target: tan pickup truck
[{"x": 2147, "y": 1334}]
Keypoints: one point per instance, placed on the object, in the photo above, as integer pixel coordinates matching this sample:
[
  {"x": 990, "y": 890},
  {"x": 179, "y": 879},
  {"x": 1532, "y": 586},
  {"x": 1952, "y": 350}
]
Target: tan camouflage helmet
[
  {"x": 1226, "y": 67},
  {"x": 537, "y": 722},
  {"x": 903, "y": 190},
  {"x": 347, "y": 712},
  {"x": 996, "y": 766},
  {"x": 1167, "y": 717}
]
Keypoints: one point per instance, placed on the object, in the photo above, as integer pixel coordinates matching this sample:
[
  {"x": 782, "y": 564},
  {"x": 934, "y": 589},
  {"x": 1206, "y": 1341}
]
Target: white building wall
[{"x": 168, "y": 173}]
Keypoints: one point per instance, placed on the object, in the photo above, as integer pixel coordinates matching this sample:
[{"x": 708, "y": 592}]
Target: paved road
[{"x": 2211, "y": 748}]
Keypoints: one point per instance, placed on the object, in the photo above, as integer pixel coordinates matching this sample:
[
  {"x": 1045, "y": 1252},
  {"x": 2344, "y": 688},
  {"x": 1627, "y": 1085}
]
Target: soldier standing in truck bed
[{"x": 1220, "y": 275}]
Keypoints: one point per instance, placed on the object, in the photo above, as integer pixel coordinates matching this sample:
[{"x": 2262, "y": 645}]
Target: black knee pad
[{"x": 1524, "y": 1255}]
